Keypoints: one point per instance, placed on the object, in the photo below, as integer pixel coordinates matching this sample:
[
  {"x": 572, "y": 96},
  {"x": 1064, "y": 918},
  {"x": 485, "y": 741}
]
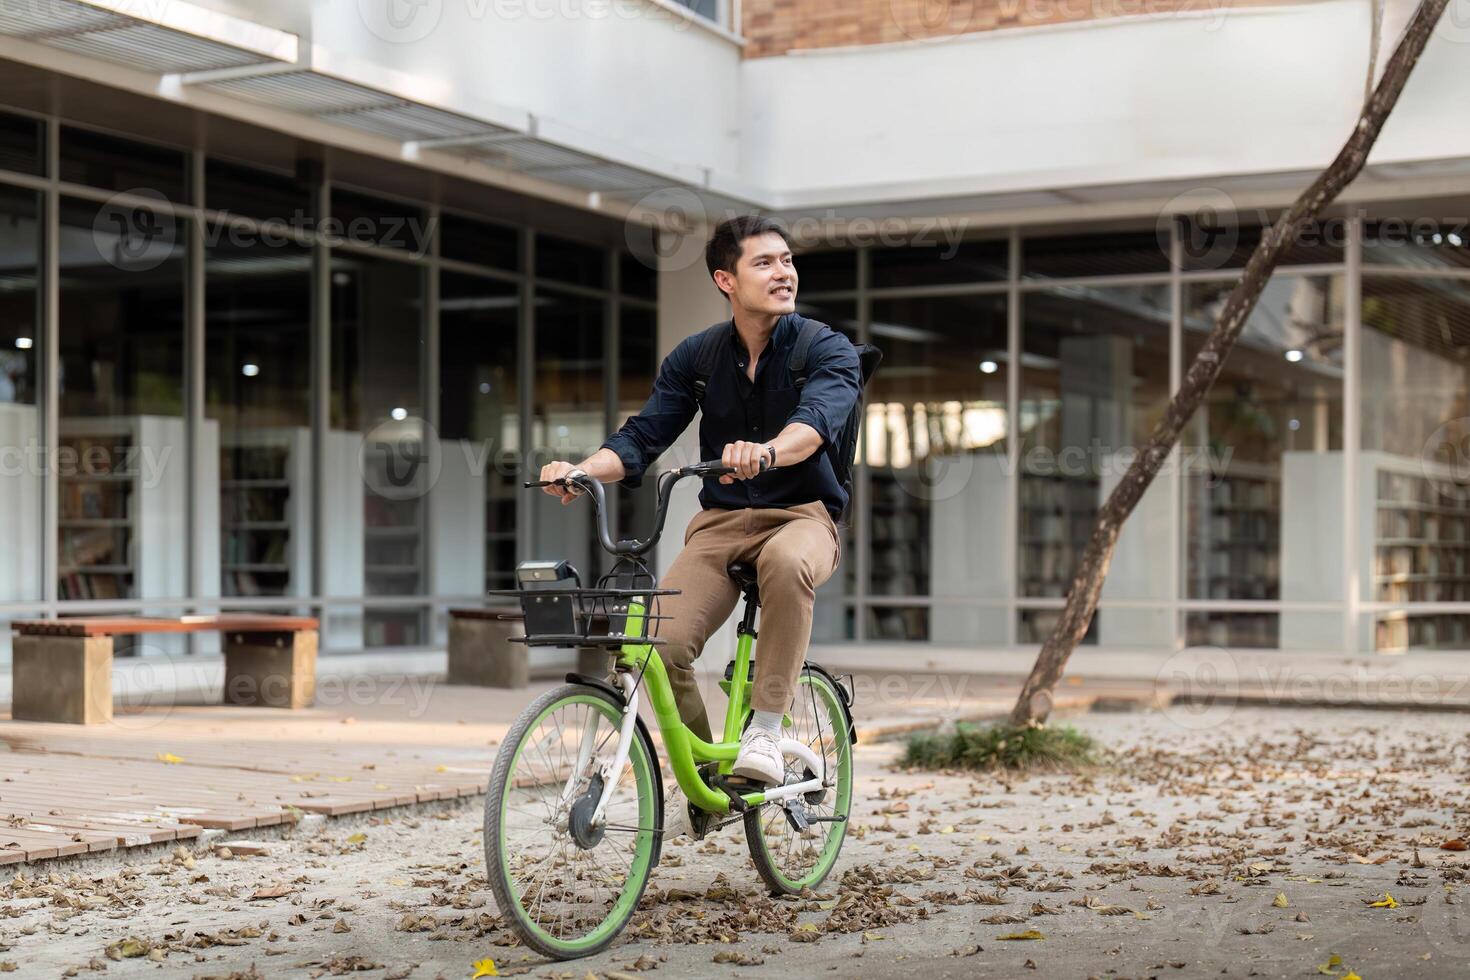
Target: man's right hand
[{"x": 555, "y": 471}]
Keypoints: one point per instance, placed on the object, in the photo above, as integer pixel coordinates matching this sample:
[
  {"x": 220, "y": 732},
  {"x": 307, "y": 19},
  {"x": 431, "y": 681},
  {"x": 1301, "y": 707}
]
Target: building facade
[{"x": 294, "y": 295}]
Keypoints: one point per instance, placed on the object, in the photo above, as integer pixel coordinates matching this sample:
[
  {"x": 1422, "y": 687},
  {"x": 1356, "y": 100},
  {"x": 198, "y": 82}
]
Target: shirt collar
[{"x": 780, "y": 337}]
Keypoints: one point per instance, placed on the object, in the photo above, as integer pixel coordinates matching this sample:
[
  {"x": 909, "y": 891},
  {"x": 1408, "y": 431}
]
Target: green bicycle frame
[{"x": 685, "y": 750}]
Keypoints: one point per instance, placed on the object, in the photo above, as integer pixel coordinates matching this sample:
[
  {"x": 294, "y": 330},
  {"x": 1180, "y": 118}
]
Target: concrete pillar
[
  {"x": 62, "y": 678},
  {"x": 688, "y": 302},
  {"x": 481, "y": 654},
  {"x": 271, "y": 670}
]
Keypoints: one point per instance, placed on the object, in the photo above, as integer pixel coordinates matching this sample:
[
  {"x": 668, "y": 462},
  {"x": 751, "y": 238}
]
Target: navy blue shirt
[{"x": 736, "y": 408}]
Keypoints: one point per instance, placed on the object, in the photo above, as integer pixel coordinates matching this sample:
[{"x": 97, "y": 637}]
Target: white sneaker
[
  {"x": 676, "y": 815},
  {"x": 759, "y": 758}
]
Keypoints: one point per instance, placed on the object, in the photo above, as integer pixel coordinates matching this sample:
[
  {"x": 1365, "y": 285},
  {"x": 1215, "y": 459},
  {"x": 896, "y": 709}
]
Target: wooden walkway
[{"x": 67, "y": 789}]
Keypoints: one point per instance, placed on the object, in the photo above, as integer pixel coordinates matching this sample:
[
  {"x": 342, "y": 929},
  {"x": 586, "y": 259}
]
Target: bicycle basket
[{"x": 559, "y": 611}]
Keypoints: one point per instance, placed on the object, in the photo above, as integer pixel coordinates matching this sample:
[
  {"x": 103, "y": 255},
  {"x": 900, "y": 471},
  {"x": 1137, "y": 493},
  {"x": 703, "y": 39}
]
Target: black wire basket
[{"x": 559, "y": 612}]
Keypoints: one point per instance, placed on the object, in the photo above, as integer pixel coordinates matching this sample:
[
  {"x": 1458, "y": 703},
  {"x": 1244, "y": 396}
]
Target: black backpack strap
[
  {"x": 796, "y": 364},
  {"x": 711, "y": 342}
]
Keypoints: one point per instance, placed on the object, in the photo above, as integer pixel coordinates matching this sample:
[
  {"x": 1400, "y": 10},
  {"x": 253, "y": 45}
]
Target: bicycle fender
[{"x": 844, "y": 696}]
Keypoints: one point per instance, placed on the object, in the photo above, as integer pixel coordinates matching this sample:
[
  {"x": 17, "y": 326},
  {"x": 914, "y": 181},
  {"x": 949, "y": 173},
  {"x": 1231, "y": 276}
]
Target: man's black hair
[{"x": 722, "y": 250}]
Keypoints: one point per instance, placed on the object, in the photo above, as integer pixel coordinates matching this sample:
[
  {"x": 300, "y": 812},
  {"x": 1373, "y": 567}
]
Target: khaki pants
[{"x": 794, "y": 551}]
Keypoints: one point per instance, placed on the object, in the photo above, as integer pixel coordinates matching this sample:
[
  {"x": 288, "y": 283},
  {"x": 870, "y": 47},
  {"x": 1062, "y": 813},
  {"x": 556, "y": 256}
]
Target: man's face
[{"x": 765, "y": 276}]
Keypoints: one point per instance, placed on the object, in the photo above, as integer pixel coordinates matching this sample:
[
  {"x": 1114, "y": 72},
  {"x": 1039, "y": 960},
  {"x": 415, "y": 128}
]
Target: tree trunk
[{"x": 1035, "y": 701}]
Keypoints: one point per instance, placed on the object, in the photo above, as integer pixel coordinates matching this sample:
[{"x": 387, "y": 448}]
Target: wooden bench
[
  {"x": 61, "y": 669},
  {"x": 481, "y": 654}
]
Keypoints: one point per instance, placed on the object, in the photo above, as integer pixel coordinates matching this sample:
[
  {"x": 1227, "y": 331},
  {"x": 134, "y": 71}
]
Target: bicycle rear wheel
[
  {"x": 788, "y": 859},
  {"x": 568, "y": 886}
]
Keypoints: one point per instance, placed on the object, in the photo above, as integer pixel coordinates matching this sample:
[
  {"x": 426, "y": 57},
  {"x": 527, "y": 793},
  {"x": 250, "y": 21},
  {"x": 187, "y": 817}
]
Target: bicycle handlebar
[{"x": 593, "y": 487}]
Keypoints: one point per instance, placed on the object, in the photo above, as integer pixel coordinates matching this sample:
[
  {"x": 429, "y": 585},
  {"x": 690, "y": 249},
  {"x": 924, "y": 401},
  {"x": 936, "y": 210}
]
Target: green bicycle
[{"x": 574, "y": 811}]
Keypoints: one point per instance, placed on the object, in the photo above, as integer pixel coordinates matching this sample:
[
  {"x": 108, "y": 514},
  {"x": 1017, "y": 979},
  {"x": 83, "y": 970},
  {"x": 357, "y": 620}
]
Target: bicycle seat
[{"x": 743, "y": 575}]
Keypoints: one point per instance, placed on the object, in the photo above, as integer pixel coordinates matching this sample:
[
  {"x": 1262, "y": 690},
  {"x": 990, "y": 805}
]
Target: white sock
[{"x": 766, "y": 721}]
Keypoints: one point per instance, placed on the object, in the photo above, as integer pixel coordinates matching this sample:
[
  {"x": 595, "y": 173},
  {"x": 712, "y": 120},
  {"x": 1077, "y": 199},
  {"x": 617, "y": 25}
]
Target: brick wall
[{"x": 775, "y": 27}]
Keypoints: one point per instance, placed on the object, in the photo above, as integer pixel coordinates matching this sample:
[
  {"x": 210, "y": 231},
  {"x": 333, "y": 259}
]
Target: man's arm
[{"x": 826, "y": 400}]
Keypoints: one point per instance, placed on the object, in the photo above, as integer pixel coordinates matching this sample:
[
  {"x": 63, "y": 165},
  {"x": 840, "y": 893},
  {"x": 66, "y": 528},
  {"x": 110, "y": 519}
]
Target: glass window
[
  {"x": 571, "y": 262},
  {"x": 935, "y": 447},
  {"x": 1417, "y": 243},
  {"x": 638, "y": 363},
  {"x": 1094, "y": 381},
  {"x": 826, "y": 271},
  {"x": 1075, "y": 256},
  {"x": 20, "y": 416},
  {"x": 361, "y": 219},
  {"x": 480, "y": 242},
  {"x": 479, "y": 426},
  {"x": 638, "y": 275},
  {"x": 1415, "y": 419},
  {"x": 1207, "y": 245},
  {"x": 941, "y": 263},
  {"x": 378, "y": 450},
  {"x": 1262, "y": 461},
  {"x": 115, "y": 164},
  {"x": 835, "y": 618},
  {"x": 708, "y": 9},
  {"x": 123, "y": 460},
  {"x": 22, "y": 144},
  {"x": 255, "y": 193},
  {"x": 568, "y": 417},
  {"x": 257, "y": 397}
]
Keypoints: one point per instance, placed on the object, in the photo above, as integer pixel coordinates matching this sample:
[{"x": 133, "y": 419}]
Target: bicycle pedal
[{"x": 734, "y": 789}]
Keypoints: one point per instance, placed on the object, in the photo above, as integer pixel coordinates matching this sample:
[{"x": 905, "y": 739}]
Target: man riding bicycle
[{"x": 753, "y": 418}]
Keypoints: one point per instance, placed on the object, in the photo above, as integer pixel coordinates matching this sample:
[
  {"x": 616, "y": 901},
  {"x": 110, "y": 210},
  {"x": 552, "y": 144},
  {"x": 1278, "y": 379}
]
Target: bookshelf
[
  {"x": 1413, "y": 545},
  {"x": 1421, "y": 553},
  {"x": 265, "y": 512},
  {"x": 20, "y": 502},
  {"x": 122, "y": 507},
  {"x": 899, "y": 540},
  {"x": 1233, "y": 550},
  {"x": 1057, "y": 513}
]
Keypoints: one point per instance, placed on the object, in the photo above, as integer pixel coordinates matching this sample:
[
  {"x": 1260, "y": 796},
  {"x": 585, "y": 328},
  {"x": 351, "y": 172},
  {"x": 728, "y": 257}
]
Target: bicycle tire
[
  {"x": 498, "y": 863},
  {"x": 762, "y": 821}
]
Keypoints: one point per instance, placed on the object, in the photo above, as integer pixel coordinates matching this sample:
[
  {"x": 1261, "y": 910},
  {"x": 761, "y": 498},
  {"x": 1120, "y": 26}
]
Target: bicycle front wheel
[
  {"x": 789, "y": 859},
  {"x": 564, "y": 881}
]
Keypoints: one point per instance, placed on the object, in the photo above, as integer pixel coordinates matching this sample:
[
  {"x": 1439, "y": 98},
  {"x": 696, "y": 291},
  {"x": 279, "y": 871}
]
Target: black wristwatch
[{"x": 771, "y": 451}]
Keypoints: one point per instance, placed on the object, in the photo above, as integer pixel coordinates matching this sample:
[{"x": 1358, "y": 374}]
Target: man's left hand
[{"x": 746, "y": 457}]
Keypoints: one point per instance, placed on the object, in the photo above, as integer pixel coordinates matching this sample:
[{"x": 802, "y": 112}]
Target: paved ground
[{"x": 1242, "y": 843}]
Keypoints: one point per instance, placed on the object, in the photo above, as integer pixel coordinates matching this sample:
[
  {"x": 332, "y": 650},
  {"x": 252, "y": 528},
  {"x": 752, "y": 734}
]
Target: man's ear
[{"x": 727, "y": 285}]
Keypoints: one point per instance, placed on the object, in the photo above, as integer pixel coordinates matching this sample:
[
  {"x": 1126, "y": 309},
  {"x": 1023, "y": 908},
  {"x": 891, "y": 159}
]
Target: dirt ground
[{"x": 1220, "y": 842}]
